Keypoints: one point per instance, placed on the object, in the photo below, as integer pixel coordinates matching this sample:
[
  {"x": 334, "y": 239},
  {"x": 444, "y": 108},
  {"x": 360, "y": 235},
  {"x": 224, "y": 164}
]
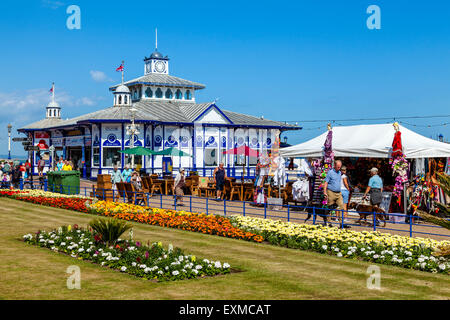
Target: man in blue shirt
[{"x": 332, "y": 186}]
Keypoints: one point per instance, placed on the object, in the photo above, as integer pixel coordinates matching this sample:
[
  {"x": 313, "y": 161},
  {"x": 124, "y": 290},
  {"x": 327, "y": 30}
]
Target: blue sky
[{"x": 286, "y": 60}]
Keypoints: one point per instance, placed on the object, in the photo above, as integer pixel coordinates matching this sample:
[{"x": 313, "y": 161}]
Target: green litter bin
[
  {"x": 70, "y": 182},
  {"x": 66, "y": 182}
]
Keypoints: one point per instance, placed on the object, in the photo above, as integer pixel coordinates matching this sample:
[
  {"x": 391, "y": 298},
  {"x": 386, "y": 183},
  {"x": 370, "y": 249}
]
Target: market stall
[{"x": 362, "y": 147}]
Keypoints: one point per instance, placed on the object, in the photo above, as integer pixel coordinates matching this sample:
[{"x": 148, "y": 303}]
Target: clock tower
[{"x": 156, "y": 63}]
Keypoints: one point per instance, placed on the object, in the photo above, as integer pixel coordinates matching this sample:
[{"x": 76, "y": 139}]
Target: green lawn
[{"x": 270, "y": 272}]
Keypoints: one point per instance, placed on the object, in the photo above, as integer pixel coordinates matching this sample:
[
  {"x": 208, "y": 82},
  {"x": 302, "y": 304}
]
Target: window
[
  {"x": 188, "y": 95},
  {"x": 169, "y": 94},
  {"x": 137, "y": 159},
  {"x": 140, "y": 93},
  {"x": 210, "y": 157},
  {"x": 120, "y": 99},
  {"x": 125, "y": 98},
  {"x": 149, "y": 93},
  {"x": 111, "y": 156},
  {"x": 159, "y": 93},
  {"x": 178, "y": 94},
  {"x": 96, "y": 156}
]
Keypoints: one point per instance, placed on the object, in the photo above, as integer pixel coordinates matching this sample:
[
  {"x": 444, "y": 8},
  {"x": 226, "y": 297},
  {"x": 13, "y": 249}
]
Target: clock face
[{"x": 160, "y": 66}]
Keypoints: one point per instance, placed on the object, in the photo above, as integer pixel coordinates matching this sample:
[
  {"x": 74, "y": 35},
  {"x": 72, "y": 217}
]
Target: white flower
[
  {"x": 175, "y": 273},
  {"x": 195, "y": 271},
  {"x": 133, "y": 264},
  {"x": 198, "y": 267},
  {"x": 225, "y": 265},
  {"x": 217, "y": 264},
  {"x": 339, "y": 254},
  {"x": 324, "y": 247},
  {"x": 123, "y": 269},
  {"x": 442, "y": 266}
]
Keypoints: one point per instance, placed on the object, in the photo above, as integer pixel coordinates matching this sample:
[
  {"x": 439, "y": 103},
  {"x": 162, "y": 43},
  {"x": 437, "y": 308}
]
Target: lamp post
[
  {"x": 132, "y": 131},
  {"x": 9, "y": 141},
  {"x": 441, "y": 137}
]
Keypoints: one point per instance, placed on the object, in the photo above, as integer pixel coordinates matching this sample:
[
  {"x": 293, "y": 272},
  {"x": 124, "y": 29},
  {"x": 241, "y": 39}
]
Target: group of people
[
  {"x": 63, "y": 165},
  {"x": 13, "y": 172},
  {"x": 337, "y": 189}
]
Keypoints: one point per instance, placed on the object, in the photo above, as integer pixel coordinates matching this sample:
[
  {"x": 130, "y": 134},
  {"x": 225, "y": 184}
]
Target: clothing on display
[
  {"x": 279, "y": 176},
  {"x": 300, "y": 190},
  {"x": 304, "y": 168}
]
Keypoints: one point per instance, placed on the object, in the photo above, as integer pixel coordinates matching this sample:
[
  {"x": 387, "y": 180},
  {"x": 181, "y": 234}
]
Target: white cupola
[
  {"x": 53, "y": 109},
  {"x": 122, "y": 96}
]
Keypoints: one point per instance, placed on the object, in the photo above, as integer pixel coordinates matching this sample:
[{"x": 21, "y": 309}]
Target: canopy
[
  {"x": 243, "y": 150},
  {"x": 172, "y": 152},
  {"x": 372, "y": 141},
  {"x": 140, "y": 151}
]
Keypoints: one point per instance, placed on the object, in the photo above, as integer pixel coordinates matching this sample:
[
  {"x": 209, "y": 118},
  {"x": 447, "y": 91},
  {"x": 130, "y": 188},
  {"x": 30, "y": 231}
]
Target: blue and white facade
[{"x": 167, "y": 115}]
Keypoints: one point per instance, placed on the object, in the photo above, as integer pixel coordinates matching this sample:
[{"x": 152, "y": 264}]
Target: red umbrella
[{"x": 243, "y": 150}]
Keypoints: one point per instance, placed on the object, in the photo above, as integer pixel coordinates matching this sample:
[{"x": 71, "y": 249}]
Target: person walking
[
  {"x": 219, "y": 179},
  {"x": 375, "y": 188},
  {"x": 179, "y": 184},
  {"x": 345, "y": 190},
  {"x": 126, "y": 173},
  {"x": 332, "y": 186},
  {"x": 15, "y": 177},
  {"x": 67, "y": 166},
  {"x": 60, "y": 164},
  {"x": 116, "y": 176},
  {"x": 41, "y": 164}
]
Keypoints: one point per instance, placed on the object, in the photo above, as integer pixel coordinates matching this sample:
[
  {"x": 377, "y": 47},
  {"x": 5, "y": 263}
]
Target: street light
[
  {"x": 132, "y": 131},
  {"x": 9, "y": 141},
  {"x": 441, "y": 137}
]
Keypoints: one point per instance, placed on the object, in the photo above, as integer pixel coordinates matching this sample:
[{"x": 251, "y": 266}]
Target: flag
[
  {"x": 51, "y": 90},
  {"x": 120, "y": 68}
]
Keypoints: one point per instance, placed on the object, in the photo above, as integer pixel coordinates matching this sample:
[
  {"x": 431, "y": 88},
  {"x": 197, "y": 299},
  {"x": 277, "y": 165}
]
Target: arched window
[
  {"x": 140, "y": 93},
  {"x": 159, "y": 93},
  {"x": 188, "y": 95},
  {"x": 169, "y": 94},
  {"x": 149, "y": 93},
  {"x": 120, "y": 99},
  {"x": 178, "y": 94},
  {"x": 125, "y": 99}
]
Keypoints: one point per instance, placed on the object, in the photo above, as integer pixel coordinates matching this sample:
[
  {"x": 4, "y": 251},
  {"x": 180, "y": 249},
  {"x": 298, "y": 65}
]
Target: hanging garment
[
  {"x": 397, "y": 149},
  {"x": 419, "y": 166},
  {"x": 304, "y": 168},
  {"x": 300, "y": 190},
  {"x": 279, "y": 176}
]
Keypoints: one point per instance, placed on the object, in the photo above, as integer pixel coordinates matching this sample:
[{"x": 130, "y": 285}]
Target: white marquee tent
[{"x": 372, "y": 141}]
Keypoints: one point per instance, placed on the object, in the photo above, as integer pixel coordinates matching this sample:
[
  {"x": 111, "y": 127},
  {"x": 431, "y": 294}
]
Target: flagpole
[
  {"x": 122, "y": 69},
  {"x": 53, "y": 92}
]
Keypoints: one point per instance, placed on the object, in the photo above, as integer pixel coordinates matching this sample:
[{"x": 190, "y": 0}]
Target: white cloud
[
  {"x": 21, "y": 108},
  {"x": 52, "y": 4},
  {"x": 99, "y": 76}
]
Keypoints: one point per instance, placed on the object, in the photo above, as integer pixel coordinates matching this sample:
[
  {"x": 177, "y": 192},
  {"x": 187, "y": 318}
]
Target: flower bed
[
  {"x": 196, "y": 222},
  {"x": 149, "y": 262},
  {"x": 414, "y": 253},
  {"x": 39, "y": 193}
]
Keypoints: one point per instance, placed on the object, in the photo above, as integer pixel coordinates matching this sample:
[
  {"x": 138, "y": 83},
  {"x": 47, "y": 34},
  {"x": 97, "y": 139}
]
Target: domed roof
[
  {"x": 53, "y": 104},
  {"x": 156, "y": 54},
  {"x": 122, "y": 89}
]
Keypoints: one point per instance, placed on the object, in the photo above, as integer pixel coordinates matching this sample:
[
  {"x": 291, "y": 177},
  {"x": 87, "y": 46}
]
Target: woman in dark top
[{"x": 219, "y": 180}]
